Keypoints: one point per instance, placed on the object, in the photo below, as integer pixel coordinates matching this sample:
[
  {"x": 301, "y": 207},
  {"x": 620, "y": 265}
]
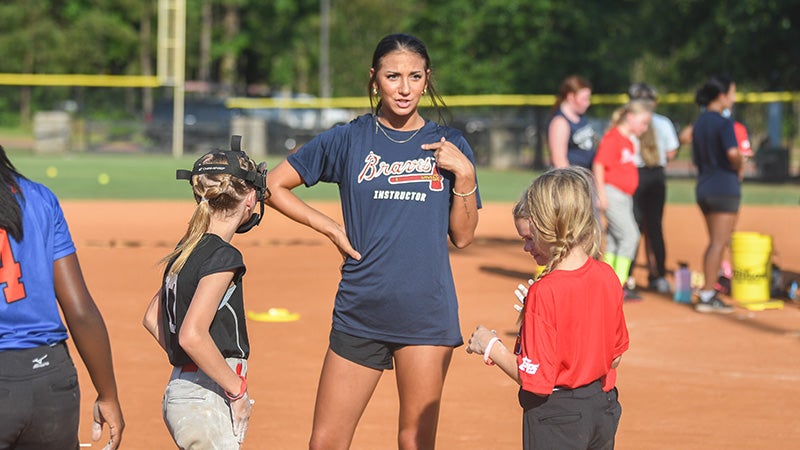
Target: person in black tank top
[
  {"x": 198, "y": 315},
  {"x": 570, "y": 137}
]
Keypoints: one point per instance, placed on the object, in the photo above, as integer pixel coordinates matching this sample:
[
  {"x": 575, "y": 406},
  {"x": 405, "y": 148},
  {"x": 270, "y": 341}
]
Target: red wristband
[{"x": 242, "y": 390}]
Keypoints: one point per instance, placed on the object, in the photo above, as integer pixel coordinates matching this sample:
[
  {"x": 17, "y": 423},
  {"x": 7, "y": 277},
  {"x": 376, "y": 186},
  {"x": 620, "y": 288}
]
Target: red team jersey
[
  {"x": 741, "y": 137},
  {"x": 616, "y": 153},
  {"x": 572, "y": 329}
]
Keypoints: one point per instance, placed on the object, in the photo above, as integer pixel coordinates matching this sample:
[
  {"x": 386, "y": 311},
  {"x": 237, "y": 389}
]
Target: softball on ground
[
  {"x": 103, "y": 178},
  {"x": 51, "y": 172}
]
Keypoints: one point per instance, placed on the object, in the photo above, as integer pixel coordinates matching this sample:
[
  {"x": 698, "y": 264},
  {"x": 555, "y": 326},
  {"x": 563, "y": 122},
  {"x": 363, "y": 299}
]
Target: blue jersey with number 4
[{"x": 29, "y": 315}]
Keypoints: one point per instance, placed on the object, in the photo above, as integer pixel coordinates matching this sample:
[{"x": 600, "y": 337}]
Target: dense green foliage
[{"x": 478, "y": 46}]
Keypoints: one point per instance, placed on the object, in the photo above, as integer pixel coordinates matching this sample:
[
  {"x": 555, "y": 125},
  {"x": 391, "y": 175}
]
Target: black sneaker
[
  {"x": 715, "y": 305},
  {"x": 630, "y": 295}
]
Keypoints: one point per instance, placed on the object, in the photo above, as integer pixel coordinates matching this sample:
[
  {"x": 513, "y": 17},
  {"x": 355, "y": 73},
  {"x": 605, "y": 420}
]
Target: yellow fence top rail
[
  {"x": 38, "y": 79},
  {"x": 151, "y": 81}
]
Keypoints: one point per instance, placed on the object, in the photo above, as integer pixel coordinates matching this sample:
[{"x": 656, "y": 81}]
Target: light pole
[
  {"x": 324, "y": 49},
  {"x": 172, "y": 61}
]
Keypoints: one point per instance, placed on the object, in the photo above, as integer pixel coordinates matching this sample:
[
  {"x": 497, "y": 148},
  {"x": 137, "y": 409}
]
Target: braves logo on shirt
[{"x": 420, "y": 170}]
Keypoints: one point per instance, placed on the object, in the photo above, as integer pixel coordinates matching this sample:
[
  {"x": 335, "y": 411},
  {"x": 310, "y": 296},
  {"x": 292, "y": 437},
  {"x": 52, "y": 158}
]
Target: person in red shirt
[
  {"x": 745, "y": 149},
  {"x": 617, "y": 179},
  {"x": 573, "y": 331}
]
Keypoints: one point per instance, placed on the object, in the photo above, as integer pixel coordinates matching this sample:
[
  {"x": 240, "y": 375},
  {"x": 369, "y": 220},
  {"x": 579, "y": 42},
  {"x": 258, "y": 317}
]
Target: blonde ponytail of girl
[{"x": 215, "y": 194}]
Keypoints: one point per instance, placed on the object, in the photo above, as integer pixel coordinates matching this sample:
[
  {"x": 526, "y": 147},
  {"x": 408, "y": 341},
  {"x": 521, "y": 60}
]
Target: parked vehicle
[
  {"x": 206, "y": 125},
  {"x": 289, "y": 128},
  {"x": 309, "y": 119}
]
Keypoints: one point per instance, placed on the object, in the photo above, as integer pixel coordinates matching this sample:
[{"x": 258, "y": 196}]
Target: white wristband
[
  {"x": 488, "y": 361},
  {"x": 467, "y": 194}
]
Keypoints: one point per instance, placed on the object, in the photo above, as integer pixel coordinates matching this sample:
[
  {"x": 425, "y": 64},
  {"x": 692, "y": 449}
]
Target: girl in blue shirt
[{"x": 40, "y": 279}]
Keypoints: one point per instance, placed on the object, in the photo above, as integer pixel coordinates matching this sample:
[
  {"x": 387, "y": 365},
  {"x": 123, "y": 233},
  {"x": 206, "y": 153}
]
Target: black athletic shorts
[
  {"x": 39, "y": 399},
  {"x": 719, "y": 203},
  {"x": 366, "y": 352},
  {"x": 584, "y": 417}
]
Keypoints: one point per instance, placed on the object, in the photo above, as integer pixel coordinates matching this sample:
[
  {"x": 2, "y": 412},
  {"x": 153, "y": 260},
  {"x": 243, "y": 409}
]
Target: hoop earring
[{"x": 424, "y": 91}]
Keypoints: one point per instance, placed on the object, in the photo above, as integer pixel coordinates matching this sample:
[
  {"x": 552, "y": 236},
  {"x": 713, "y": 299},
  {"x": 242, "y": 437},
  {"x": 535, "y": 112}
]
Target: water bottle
[{"x": 683, "y": 284}]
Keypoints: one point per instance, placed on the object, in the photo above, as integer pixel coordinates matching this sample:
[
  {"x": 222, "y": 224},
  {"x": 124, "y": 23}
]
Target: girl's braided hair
[
  {"x": 561, "y": 204},
  {"x": 561, "y": 208}
]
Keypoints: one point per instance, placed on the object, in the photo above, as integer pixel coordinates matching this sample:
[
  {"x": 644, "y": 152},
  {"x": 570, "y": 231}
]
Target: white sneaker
[
  {"x": 661, "y": 285},
  {"x": 630, "y": 283}
]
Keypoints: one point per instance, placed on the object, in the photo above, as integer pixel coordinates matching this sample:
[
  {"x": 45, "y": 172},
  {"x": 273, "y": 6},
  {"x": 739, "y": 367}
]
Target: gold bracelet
[{"x": 468, "y": 193}]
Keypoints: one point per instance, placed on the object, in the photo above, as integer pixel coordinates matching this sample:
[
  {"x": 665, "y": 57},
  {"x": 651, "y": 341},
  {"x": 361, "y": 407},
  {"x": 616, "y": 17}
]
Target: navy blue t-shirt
[
  {"x": 396, "y": 209},
  {"x": 712, "y": 136},
  {"x": 582, "y": 138}
]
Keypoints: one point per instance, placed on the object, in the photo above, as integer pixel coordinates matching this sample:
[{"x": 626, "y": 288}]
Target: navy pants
[
  {"x": 39, "y": 399},
  {"x": 581, "y": 418}
]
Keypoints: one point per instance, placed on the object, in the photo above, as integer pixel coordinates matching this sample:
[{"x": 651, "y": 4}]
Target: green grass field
[{"x": 141, "y": 176}]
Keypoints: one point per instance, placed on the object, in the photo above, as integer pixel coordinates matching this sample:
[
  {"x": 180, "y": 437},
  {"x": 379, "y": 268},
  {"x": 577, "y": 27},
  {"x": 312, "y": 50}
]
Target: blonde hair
[
  {"x": 636, "y": 106},
  {"x": 648, "y": 148},
  {"x": 214, "y": 193},
  {"x": 521, "y": 210},
  {"x": 561, "y": 206},
  {"x": 647, "y": 141}
]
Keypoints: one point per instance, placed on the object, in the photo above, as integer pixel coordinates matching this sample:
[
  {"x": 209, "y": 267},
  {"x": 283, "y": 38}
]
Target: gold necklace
[{"x": 379, "y": 126}]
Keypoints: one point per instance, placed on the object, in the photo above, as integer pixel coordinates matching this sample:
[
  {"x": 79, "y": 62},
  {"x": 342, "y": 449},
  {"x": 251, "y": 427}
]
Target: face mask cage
[{"x": 257, "y": 177}]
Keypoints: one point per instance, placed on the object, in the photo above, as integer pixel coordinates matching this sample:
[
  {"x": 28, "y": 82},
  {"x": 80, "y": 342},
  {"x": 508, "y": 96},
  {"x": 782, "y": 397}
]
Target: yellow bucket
[{"x": 752, "y": 267}]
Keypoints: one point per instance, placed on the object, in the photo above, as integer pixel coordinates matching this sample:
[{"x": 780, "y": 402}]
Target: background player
[
  {"x": 657, "y": 146},
  {"x": 617, "y": 178},
  {"x": 573, "y": 330},
  {"x": 40, "y": 273},
  {"x": 570, "y": 137},
  {"x": 720, "y": 170},
  {"x": 198, "y": 314}
]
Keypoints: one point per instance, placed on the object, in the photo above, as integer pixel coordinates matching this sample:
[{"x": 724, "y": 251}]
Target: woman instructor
[{"x": 406, "y": 184}]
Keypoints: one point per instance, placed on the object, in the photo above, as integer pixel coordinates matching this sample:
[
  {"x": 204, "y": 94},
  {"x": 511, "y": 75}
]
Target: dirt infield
[{"x": 689, "y": 381}]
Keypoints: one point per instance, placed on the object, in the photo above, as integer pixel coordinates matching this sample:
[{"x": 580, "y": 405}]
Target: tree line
[{"x": 252, "y": 47}]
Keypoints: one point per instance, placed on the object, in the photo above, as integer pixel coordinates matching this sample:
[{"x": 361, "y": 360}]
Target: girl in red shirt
[
  {"x": 573, "y": 330},
  {"x": 617, "y": 178}
]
